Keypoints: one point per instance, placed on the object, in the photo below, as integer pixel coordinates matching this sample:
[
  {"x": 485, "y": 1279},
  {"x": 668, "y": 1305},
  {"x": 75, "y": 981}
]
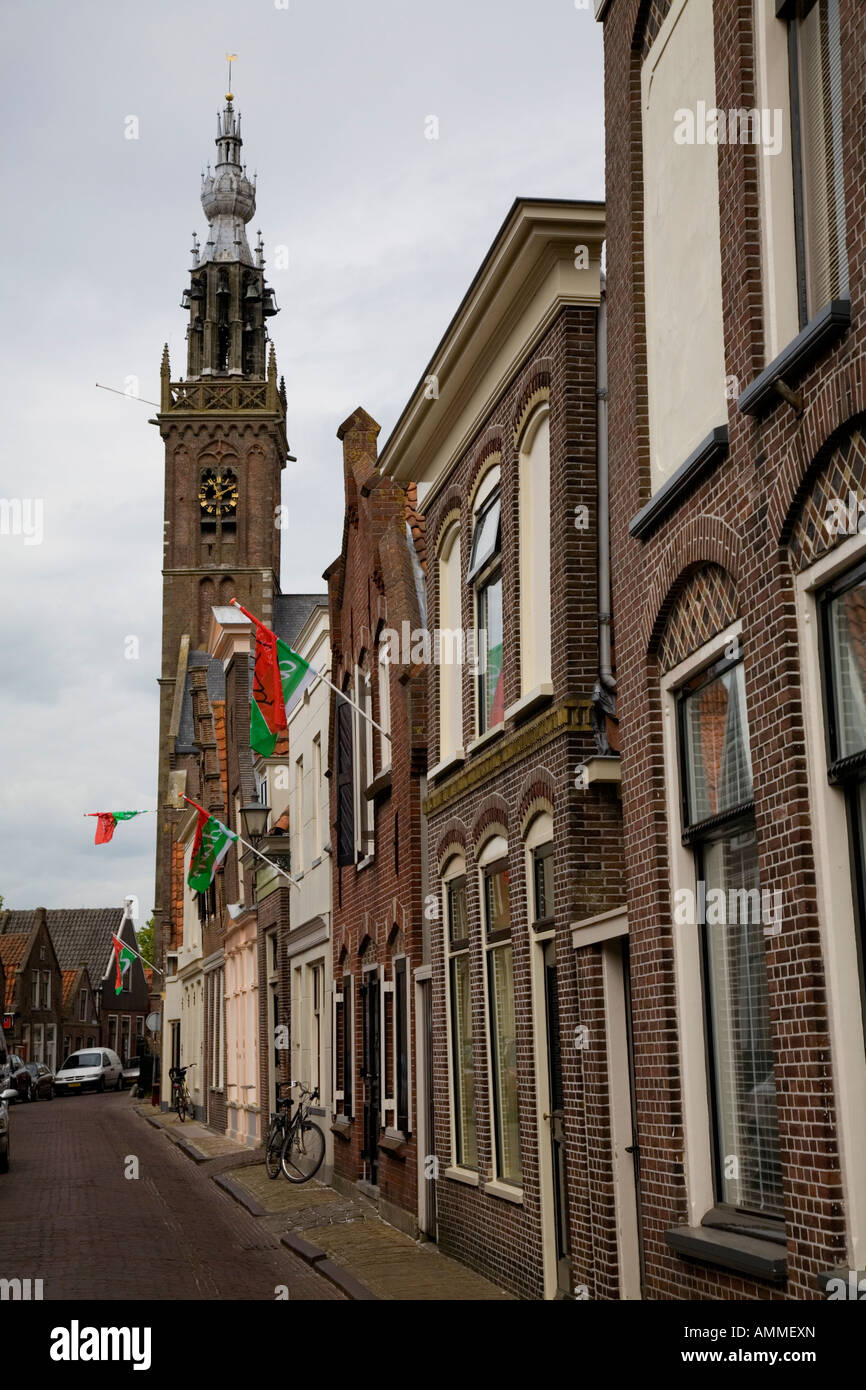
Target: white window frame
[
  {"x": 450, "y": 675},
  {"x": 362, "y": 768},
  {"x": 836, "y": 908},
  {"x": 384, "y": 685},
  {"x": 455, "y": 867},
  {"x": 688, "y": 972},
  {"x": 316, "y": 794},
  {"x": 298, "y": 815},
  {"x": 494, "y": 848},
  {"x": 535, "y": 673}
]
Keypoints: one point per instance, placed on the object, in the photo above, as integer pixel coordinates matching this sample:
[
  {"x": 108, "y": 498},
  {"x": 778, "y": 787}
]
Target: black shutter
[{"x": 345, "y": 787}]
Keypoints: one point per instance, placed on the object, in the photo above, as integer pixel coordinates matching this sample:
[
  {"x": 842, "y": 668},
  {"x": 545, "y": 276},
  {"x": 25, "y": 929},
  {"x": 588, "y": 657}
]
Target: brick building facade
[
  {"x": 523, "y": 825},
  {"x": 376, "y": 782},
  {"x": 737, "y": 400}
]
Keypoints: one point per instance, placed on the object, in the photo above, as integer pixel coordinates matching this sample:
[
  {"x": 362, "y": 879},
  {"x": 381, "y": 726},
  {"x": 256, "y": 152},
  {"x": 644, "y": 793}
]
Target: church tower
[{"x": 224, "y": 430}]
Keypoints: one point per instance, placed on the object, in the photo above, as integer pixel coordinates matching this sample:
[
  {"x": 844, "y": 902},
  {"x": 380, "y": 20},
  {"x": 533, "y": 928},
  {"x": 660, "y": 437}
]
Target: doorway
[
  {"x": 557, "y": 1230},
  {"x": 371, "y": 1073},
  {"x": 426, "y": 1131},
  {"x": 623, "y": 1115}
]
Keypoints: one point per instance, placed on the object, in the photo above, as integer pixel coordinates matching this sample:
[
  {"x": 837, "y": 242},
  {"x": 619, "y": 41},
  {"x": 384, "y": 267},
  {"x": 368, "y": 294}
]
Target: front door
[
  {"x": 556, "y": 1116},
  {"x": 623, "y": 1123},
  {"x": 370, "y": 1073},
  {"x": 427, "y": 1135}
]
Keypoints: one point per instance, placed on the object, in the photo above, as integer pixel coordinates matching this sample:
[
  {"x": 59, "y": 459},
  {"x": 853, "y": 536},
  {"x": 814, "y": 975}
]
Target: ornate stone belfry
[{"x": 224, "y": 431}]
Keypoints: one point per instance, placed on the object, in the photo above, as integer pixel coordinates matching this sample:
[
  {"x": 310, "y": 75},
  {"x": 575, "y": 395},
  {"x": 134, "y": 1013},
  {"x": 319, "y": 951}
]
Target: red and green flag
[
  {"x": 107, "y": 823},
  {"x": 212, "y": 842},
  {"x": 124, "y": 956},
  {"x": 279, "y": 680}
]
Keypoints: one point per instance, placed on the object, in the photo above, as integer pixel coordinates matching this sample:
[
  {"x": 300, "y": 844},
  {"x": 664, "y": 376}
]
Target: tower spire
[{"x": 228, "y": 300}]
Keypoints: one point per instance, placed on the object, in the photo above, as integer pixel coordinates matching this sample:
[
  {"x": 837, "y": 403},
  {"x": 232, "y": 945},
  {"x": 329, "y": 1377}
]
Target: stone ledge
[{"x": 764, "y": 1259}]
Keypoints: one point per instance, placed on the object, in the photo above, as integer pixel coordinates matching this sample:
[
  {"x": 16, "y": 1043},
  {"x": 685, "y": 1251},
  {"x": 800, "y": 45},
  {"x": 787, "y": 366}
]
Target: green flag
[{"x": 212, "y": 843}]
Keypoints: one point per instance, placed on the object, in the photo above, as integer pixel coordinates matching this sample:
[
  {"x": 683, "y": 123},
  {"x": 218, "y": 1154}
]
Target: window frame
[
  {"x": 793, "y": 12},
  {"x": 344, "y": 738},
  {"x": 455, "y": 879},
  {"x": 695, "y": 836},
  {"x": 847, "y": 773},
  {"x": 494, "y": 940},
  {"x": 538, "y": 853}
]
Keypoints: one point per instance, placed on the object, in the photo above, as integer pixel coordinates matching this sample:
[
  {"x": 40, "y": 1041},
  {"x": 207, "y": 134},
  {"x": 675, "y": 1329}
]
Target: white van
[{"x": 93, "y": 1068}]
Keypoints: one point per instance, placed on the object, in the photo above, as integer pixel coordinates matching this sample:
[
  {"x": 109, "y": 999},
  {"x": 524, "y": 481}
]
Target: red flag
[
  {"x": 267, "y": 680},
  {"x": 105, "y": 827}
]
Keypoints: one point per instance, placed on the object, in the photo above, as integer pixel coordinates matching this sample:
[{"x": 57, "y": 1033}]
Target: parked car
[
  {"x": 7, "y": 1093},
  {"x": 131, "y": 1071},
  {"x": 41, "y": 1081},
  {"x": 93, "y": 1069},
  {"x": 19, "y": 1076}
]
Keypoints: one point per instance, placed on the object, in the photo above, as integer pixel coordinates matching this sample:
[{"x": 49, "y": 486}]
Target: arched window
[
  {"x": 461, "y": 1045},
  {"x": 535, "y": 553},
  {"x": 450, "y": 653},
  {"x": 485, "y": 574}
]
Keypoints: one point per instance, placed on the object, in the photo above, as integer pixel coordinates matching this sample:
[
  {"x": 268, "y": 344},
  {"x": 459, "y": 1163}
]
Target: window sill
[
  {"x": 464, "y": 1175},
  {"x": 832, "y": 321},
  {"x": 758, "y": 1256},
  {"x": 679, "y": 484},
  {"x": 342, "y": 1127},
  {"x": 494, "y": 1188},
  {"x": 487, "y": 737},
  {"x": 393, "y": 1142},
  {"x": 539, "y": 695},
  {"x": 448, "y": 764},
  {"x": 365, "y": 863}
]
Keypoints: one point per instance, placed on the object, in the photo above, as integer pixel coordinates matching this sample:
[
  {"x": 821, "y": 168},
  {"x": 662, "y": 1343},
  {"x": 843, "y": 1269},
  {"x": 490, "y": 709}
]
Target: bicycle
[
  {"x": 183, "y": 1102},
  {"x": 296, "y": 1144}
]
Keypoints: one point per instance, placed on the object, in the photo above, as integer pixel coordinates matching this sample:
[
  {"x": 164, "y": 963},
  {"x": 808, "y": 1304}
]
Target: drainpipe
[
  {"x": 604, "y": 615},
  {"x": 604, "y": 694}
]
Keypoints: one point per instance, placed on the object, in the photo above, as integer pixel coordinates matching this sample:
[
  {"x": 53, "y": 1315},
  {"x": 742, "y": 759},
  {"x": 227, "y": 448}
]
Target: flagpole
[
  {"x": 148, "y": 963},
  {"x": 322, "y": 677},
  {"x": 242, "y": 841}
]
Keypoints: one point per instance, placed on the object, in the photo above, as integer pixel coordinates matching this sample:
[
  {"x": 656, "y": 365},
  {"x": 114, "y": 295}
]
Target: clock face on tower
[{"x": 218, "y": 494}]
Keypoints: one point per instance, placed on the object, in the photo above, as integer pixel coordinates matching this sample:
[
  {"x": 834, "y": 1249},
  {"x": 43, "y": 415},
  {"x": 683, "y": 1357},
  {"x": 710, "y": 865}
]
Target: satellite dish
[{"x": 153, "y": 1022}]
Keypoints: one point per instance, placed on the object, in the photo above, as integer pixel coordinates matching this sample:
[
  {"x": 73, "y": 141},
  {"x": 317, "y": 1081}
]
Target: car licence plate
[{"x": 72, "y": 1084}]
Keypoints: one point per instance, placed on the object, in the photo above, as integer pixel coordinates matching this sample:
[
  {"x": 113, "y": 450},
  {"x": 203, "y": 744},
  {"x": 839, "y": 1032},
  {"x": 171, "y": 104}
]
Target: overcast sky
[{"x": 385, "y": 229}]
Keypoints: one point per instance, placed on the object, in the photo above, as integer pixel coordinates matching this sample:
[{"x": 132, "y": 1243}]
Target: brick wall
[
  {"x": 531, "y": 768},
  {"x": 377, "y": 908},
  {"x": 733, "y": 520}
]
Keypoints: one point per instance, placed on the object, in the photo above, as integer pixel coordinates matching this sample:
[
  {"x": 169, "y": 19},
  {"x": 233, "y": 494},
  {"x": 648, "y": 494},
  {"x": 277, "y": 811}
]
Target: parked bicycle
[
  {"x": 181, "y": 1098},
  {"x": 296, "y": 1144}
]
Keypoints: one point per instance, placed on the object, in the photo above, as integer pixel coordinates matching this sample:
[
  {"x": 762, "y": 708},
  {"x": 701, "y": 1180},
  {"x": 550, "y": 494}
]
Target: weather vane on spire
[{"x": 232, "y": 58}]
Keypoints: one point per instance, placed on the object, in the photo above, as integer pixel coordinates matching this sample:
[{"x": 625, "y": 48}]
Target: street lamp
[{"x": 255, "y": 820}]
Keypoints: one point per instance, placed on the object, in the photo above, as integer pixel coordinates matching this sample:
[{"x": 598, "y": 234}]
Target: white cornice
[{"x": 528, "y": 275}]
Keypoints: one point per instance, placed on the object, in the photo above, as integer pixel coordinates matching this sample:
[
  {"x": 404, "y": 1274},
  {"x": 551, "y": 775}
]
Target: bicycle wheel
[
  {"x": 303, "y": 1152},
  {"x": 181, "y": 1106},
  {"x": 274, "y": 1151}
]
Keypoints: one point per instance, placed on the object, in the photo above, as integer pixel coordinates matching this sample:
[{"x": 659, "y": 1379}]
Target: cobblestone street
[{"x": 70, "y": 1217}]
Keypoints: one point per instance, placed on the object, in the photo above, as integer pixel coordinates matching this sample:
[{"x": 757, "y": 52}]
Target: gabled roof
[
  {"x": 13, "y": 952},
  {"x": 70, "y": 980},
  {"x": 80, "y": 935}
]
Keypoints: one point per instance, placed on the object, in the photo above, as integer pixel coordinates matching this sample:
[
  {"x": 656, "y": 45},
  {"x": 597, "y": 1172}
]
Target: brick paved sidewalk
[
  {"x": 381, "y": 1261},
  {"x": 342, "y": 1237}
]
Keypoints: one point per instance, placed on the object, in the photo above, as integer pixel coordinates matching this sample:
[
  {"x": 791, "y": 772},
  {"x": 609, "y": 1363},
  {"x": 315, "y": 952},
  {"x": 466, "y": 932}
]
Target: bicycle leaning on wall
[{"x": 296, "y": 1144}]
